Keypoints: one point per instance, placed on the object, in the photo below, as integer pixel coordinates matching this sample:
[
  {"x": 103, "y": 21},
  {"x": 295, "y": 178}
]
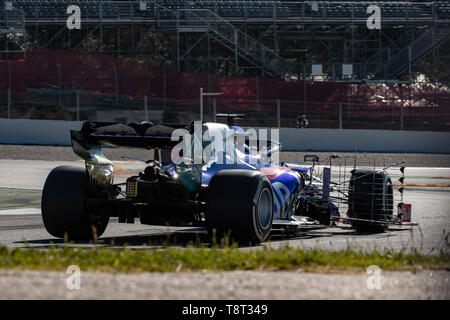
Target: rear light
[{"x": 131, "y": 190}]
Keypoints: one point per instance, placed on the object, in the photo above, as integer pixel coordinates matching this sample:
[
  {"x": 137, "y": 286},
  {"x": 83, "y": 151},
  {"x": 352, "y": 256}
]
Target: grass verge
[{"x": 216, "y": 259}]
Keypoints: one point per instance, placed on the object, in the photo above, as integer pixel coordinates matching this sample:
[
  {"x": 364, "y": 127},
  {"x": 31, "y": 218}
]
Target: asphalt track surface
[
  {"x": 234, "y": 285},
  {"x": 23, "y": 170},
  {"x": 22, "y": 180},
  {"x": 57, "y": 153}
]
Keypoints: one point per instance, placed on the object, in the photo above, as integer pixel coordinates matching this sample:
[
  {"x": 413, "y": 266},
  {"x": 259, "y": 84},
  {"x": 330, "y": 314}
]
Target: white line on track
[
  {"x": 21, "y": 188},
  {"x": 21, "y": 211}
]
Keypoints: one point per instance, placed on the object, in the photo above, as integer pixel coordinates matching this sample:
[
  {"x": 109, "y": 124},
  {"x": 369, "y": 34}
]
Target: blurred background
[{"x": 271, "y": 60}]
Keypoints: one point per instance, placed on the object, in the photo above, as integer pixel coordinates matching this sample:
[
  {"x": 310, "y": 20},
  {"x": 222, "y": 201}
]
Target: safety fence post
[
  {"x": 214, "y": 109},
  {"x": 278, "y": 114},
  {"x": 305, "y": 106},
  {"x": 201, "y": 104},
  {"x": 145, "y": 108},
  {"x": 78, "y": 105},
  {"x": 59, "y": 84},
  {"x": 9, "y": 103},
  {"x": 164, "y": 89},
  {"x": 401, "y": 116},
  {"x": 257, "y": 91},
  {"x": 116, "y": 86},
  {"x": 9, "y": 90}
]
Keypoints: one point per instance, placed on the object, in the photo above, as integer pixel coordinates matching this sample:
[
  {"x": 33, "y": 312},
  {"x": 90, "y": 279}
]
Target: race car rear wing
[
  {"x": 142, "y": 135},
  {"x": 87, "y": 143}
]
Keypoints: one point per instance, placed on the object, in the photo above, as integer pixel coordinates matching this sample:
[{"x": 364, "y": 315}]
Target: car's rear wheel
[
  {"x": 370, "y": 200},
  {"x": 240, "y": 204},
  {"x": 63, "y": 205}
]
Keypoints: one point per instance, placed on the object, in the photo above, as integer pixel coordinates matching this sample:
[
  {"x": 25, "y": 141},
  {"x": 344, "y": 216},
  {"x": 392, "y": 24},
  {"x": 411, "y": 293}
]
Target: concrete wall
[
  {"x": 294, "y": 139},
  {"x": 54, "y": 132},
  {"x": 25, "y": 131}
]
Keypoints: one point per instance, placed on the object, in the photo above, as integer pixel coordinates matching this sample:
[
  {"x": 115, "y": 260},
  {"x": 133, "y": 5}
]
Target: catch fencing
[{"x": 72, "y": 85}]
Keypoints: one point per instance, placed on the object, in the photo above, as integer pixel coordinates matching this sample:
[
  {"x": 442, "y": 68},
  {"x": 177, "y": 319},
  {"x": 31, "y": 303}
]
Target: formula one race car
[{"x": 208, "y": 174}]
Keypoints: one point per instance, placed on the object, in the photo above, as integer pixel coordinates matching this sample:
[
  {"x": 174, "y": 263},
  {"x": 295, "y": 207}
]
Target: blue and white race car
[{"x": 204, "y": 174}]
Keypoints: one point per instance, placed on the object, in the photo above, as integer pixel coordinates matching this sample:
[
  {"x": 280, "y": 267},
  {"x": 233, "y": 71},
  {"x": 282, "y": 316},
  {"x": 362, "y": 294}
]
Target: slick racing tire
[
  {"x": 64, "y": 205},
  {"x": 240, "y": 205},
  {"x": 370, "y": 198}
]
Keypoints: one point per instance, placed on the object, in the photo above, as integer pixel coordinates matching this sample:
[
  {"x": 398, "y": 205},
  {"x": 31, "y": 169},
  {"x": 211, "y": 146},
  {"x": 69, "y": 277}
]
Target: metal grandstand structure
[
  {"x": 279, "y": 39},
  {"x": 194, "y": 43}
]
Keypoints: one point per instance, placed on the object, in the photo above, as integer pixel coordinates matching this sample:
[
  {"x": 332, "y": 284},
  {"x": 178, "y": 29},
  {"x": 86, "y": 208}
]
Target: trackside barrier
[
  {"x": 294, "y": 139},
  {"x": 56, "y": 132}
]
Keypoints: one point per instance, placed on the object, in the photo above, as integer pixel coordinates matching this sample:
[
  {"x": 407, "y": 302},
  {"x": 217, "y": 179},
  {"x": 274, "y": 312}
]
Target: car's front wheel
[{"x": 240, "y": 204}]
